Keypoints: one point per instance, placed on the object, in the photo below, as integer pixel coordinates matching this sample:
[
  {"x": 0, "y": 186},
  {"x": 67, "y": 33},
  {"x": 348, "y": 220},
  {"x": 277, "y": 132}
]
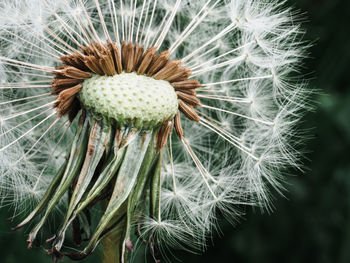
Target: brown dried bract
[
  {"x": 112, "y": 59},
  {"x": 163, "y": 134},
  {"x": 178, "y": 126},
  {"x": 188, "y": 110}
]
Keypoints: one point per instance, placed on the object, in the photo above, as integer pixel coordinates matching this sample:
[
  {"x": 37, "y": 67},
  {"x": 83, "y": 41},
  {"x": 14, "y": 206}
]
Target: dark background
[{"x": 312, "y": 224}]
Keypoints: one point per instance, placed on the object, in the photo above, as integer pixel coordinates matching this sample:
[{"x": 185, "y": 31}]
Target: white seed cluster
[
  {"x": 128, "y": 97},
  {"x": 245, "y": 53}
]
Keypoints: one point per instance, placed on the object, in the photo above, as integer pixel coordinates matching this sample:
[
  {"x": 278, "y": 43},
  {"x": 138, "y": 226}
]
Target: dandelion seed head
[{"x": 223, "y": 96}]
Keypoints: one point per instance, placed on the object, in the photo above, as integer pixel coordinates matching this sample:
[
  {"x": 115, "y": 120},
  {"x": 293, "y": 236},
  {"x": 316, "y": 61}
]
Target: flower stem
[{"x": 111, "y": 248}]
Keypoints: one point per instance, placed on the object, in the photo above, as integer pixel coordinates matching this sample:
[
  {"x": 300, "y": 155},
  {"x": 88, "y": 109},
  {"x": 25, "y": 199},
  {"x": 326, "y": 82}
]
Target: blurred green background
[{"x": 312, "y": 224}]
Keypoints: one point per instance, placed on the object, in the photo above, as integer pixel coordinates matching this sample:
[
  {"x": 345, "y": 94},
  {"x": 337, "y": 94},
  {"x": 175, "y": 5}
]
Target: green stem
[{"x": 111, "y": 248}]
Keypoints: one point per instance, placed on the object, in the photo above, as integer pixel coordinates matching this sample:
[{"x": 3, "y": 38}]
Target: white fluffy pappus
[{"x": 246, "y": 55}]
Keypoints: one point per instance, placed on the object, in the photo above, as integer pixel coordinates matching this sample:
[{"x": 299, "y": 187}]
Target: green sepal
[
  {"x": 137, "y": 193},
  {"x": 75, "y": 161},
  {"x": 99, "y": 136},
  {"x": 46, "y": 198},
  {"x": 127, "y": 177},
  {"x": 155, "y": 190}
]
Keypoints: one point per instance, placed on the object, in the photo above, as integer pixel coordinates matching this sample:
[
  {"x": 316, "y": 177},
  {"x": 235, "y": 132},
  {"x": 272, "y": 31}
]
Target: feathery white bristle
[{"x": 244, "y": 53}]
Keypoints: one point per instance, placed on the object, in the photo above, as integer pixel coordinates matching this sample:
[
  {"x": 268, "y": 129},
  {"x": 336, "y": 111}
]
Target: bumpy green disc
[{"x": 130, "y": 99}]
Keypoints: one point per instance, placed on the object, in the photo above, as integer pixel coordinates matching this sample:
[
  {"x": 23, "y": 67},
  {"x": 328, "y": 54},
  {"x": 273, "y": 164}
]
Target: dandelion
[{"x": 152, "y": 115}]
